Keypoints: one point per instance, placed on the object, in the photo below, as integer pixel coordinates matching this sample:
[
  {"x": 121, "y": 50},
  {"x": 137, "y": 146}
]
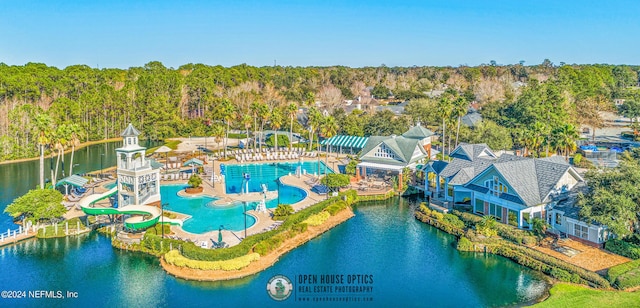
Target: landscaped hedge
[
  {"x": 623, "y": 248},
  {"x": 436, "y": 219},
  {"x": 464, "y": 244},
  {"x": 174, "y": 257},
  {"x": 531, "y": 258},
  {"x": 317, "y": 219},
  {"x": 336, "y": 207},
  {"x": 507, "y": 232},
  {"x": 516, "y": 252},
  {"x": 625, "y": 275}
]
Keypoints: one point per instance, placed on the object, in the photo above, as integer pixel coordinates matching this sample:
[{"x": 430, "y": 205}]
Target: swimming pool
[
  {"x": 205, "y": 216},
  {"x": 265, "y": 174}
]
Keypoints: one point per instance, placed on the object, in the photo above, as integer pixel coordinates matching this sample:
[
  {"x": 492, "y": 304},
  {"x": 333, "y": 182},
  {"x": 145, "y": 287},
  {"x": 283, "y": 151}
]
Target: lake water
[{"x": 412, "y": 264}]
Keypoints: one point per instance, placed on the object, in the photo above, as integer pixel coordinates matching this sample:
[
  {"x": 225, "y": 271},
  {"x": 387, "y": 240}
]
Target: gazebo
[
  {"x": 73, "y": 180},
  {"x": 192, "y": 162}
]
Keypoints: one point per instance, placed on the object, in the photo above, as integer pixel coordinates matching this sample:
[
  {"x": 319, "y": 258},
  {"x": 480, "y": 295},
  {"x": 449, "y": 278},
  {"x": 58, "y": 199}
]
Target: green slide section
[{"x": 143, "y": 216}]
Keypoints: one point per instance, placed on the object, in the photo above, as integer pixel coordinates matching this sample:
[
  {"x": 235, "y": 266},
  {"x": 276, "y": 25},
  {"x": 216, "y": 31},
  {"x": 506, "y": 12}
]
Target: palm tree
[
  {"x": 460, "y": 107},
  {"x": 292, "y": 110},
  {"x": 565, "y": 137},
  {"x": 276, "y": 123},
  {"x": 314, "y": 121},
  {"x": 246, "y": 121},
  {"x": 255, "y": 107},
  {"x": 74, "y": 131},
  {"x": 444, "y": 111},
  {"x": 43, "y": 125},
  {"x": 217, "y": 131},
  {"x": 329, "y": 129},
  {"x": 263, "y": 113},
  {"x": 538, "y": 137},
  {"x": 228, "y": 114},
  {"x": 59, "y": 141}
]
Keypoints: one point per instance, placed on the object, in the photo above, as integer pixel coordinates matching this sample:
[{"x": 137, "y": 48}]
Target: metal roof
[
  {"x": 74, "y": 180},
  {"x": 193, "y": 161}
]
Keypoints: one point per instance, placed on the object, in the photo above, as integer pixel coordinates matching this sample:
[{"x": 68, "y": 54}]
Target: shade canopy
[
  {"x": 346, "y": 141},
  {"x": 193, "y": 161},
  {"x": 163, "y": 149},
  {"x": 74, "y": 180}
]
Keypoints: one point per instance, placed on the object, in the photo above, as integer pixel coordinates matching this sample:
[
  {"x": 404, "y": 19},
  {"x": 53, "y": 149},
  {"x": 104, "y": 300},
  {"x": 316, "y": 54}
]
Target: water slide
[{"x": 143, "y": 216}]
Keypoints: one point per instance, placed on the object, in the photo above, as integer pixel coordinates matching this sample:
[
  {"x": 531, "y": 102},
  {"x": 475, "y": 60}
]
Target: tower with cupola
[{"x": 138, "y": 178}]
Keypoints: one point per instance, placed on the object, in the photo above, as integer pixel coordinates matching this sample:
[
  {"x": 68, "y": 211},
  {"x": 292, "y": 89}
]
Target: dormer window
[
  {"x": 495, "y": 186},
  {"x": 129, "y": 140}
]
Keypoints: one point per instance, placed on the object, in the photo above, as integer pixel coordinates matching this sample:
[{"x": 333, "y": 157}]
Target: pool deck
[
  {"x": 263, "y": 220},
  {"x": 217, "y": 190}
]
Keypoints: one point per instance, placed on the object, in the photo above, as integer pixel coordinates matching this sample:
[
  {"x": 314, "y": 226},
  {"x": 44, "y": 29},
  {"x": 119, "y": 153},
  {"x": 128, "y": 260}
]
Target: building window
[
  {"x": 479, "y": 207},
  {"x": 581, "y": 231},
  {"x": 384, "y": 152},
  {"x": 495, "y": 186},
  {"x": 558, "y": 219},
  {"x": 513, "y": 218}
]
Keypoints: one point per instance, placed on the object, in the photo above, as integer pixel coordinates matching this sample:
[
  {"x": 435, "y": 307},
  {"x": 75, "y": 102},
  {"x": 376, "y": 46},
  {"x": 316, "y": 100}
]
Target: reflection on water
[{"x": 412, "y": 264}]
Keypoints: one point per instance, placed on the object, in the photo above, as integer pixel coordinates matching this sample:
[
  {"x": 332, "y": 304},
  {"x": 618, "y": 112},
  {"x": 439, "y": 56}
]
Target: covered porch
[
  {"x": 506, "y": 212},
  {"x": 379, "y": 174}
]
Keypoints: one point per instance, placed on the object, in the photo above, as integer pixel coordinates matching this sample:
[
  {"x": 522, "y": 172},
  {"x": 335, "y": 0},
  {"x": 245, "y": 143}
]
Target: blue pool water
[
  {"x": 265, "y": 174},
  {"x": 205, "y": 216},
  {"x": 110, "y": 185}
]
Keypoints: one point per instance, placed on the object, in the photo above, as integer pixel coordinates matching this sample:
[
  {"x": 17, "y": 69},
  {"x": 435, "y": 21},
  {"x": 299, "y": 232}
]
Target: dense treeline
[{"x": 45, "y": 108}]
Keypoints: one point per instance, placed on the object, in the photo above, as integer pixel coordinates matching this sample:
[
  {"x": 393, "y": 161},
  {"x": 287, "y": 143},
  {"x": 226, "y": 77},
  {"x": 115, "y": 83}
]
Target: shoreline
[
  {"x": 265, "y": 261},
  {"x": 80, "y": 146}
]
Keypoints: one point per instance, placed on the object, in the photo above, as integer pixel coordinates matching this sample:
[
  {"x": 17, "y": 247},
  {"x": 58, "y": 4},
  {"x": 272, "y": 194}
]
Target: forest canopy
[{"x": 36, "y": 99}]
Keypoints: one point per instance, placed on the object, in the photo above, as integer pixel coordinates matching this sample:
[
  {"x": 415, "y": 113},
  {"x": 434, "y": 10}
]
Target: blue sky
[{"x": 318, "y": 33}]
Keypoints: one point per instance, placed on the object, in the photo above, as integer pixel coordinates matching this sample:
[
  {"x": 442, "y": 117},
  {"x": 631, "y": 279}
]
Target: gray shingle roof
[
  {"x": 471, "y": 119},
  {"x": 130, "y": 131},
  {"x": 532, "y": 179},
  {"x": 472, "y": 151}
]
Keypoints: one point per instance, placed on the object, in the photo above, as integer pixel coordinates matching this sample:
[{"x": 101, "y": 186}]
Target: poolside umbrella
[
  {"x": 164, "y": 149},
  {"x": 219, "y": 235}
]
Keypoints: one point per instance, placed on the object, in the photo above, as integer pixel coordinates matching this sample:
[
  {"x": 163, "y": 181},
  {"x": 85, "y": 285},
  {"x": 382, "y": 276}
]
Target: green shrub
[
  {"x": 336, "y": 207},
  {"x": 453, "y": 220},
  {"x": 623, "y": 248},
  {"x": 282, "y": 211},
  {"x": 283, "y": 141},
  {"x": 577, "y": 158},
  {"x": 317, "y": 219},
  {"x": 464, "y": 244},
  {"x": 157, "y": 229},
  {"x": 195, "y": 181},
  {"x": 625, "y": 275},
  {"x": 629, "y": 279}
]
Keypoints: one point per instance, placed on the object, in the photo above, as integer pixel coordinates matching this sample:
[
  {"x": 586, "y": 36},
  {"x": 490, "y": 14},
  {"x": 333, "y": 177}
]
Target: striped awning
[
  {"x": 74, "y": 180},
  {"x": 346, "y": 141}
]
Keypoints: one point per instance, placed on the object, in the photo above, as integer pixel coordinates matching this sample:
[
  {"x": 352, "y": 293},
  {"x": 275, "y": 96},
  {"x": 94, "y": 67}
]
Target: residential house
[
  {"x": 511, "y": 188},
  {"x": 563, "y": 216}
]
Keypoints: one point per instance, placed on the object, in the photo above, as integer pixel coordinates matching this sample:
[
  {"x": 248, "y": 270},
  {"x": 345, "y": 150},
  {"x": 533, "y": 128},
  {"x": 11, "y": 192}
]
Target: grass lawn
[
  {"x": 568, "y": 295},
  {"x": 173, "y": 144},
  {"x": 50, "y": 231}
]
